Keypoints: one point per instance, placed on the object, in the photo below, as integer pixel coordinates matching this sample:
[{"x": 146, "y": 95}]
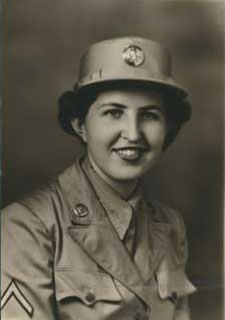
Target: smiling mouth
[{"x": 130, "y": 153}]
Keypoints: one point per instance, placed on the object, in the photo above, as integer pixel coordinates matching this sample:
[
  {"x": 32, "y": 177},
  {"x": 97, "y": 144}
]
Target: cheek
[
  {"x": 156, "y": 134},
  {"x": 98, "y": 139},
  {"x": 92, "y": 129},
  {"x": 100, "y": 134}
]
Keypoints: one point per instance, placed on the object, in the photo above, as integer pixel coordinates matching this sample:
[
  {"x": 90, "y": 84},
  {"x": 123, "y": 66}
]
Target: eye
[
  {"x": 114, "y": 113},
  {"x": 150, "y": 115}
]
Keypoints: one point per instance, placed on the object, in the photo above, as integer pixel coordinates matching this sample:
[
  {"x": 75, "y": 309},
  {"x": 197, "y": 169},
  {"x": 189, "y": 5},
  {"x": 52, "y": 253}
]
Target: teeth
[{"x": 129, "y": 154}]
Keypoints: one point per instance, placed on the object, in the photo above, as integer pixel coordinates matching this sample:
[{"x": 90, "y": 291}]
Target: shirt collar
[{"x": 119, "y": 210}]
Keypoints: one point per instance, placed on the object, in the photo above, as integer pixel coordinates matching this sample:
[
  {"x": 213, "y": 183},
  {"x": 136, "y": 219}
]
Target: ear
[{"x": 79, "y": 129}]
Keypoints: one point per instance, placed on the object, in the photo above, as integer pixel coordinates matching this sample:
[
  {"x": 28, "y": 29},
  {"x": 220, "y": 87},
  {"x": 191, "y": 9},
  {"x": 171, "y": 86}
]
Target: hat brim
[{"x": 163, "y": 86}]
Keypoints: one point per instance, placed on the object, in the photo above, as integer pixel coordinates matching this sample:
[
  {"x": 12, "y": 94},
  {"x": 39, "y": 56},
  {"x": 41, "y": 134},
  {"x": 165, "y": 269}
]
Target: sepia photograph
[{"x": 112, "y": 160}]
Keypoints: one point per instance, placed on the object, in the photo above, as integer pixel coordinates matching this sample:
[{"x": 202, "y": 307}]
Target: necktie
[{"x": 131, "y": 234}]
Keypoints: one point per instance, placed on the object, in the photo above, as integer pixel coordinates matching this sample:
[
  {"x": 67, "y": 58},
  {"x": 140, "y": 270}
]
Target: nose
[{"x": 131, "y": 128}]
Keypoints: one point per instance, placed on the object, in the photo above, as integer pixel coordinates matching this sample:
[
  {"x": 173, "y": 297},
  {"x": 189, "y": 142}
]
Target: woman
[{"x": 91, "y": 245}]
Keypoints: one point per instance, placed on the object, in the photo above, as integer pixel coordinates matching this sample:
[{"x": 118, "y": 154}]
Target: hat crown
[{"x": 126, "y": 58}]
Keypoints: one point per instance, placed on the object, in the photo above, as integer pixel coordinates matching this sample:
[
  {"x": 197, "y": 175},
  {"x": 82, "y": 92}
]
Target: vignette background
[{"x": 43, "y": 41}]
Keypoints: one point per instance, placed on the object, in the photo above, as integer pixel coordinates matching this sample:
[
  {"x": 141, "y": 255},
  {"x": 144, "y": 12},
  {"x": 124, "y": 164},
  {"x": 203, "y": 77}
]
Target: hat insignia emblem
[{"x": 133, "y": 55}]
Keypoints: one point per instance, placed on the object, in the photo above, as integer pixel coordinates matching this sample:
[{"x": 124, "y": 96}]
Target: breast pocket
[{"x": 85, "y": 295}]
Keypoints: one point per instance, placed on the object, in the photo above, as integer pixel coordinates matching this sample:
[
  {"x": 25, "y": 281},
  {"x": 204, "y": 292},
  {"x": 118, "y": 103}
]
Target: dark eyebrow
[
  {"x": 152, "y": 107},
  {"x": 113, "y": 104},
  {"x": 122, "y": 106}
]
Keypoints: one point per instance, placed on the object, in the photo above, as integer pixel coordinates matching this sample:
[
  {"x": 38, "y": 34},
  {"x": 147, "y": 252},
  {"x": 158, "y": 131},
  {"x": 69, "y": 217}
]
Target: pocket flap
[
  {"x": 89, "y": 287},
  {"x": 174, "y": 283}
]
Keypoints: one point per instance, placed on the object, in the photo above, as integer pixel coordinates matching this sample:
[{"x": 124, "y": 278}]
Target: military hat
[{"x": 132, "y": 59}]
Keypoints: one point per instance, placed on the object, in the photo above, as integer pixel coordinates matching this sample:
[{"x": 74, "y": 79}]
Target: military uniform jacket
[{"x": 63, "y": 260}]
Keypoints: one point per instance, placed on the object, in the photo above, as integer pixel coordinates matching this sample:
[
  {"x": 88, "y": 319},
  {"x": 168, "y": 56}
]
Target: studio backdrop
[{"x": 43, "y": 41}]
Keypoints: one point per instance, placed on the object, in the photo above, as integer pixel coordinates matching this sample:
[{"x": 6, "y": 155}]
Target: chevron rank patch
[{"x": 13, "y": 291}]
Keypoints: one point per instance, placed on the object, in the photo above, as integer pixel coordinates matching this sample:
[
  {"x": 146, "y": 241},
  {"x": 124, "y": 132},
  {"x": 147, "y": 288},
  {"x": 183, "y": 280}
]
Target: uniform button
[
  {"x": 89, "y": 297},
  {"x": 173, "y": 298},
  {"x": 174, "y": 295},
  {"x": 140, "y": 316}
]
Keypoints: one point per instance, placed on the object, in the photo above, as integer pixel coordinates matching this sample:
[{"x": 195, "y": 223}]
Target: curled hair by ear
[
  {"x": 178, "y": 111},
  {"x": 73, "y": 106},
  {"x": 67, "y": 111}
]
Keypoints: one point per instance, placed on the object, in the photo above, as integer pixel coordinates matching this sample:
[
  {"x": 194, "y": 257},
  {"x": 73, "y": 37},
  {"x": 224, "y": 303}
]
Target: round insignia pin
[
  {"x": 81, "y": 211},
  {"x": 133, "y": 55}
]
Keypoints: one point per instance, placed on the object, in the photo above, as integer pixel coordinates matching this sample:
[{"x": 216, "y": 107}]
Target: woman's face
[{"x": 124, "y": 131}]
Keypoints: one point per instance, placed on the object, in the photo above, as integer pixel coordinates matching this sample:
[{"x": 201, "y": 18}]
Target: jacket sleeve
[
  {"x": 172, "y": 278},
  {"x": 27, "y": 285},
  {"x": 182, "y": 311}
]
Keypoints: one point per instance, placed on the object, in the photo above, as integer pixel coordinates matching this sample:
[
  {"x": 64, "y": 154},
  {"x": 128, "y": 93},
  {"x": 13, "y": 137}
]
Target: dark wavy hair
[{"x": 75, "y": 105}]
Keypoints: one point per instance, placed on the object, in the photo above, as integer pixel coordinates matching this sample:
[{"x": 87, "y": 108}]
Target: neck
[{"x": 124, "y": 188}]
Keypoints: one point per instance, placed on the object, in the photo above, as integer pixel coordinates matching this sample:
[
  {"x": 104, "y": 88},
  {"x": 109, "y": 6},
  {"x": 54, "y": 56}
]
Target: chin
[{"x": 127, "y": 176}]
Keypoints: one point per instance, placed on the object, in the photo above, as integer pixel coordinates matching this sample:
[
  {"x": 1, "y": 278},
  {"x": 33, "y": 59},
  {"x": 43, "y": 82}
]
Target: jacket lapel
[
  {"x": 94, "y": 231},
  {"x": 151, "y": 243}
]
